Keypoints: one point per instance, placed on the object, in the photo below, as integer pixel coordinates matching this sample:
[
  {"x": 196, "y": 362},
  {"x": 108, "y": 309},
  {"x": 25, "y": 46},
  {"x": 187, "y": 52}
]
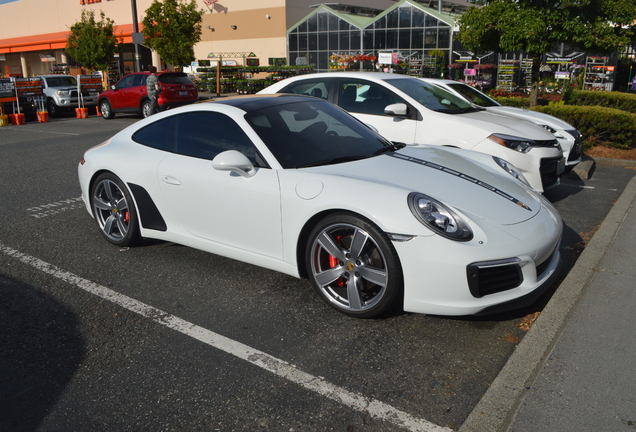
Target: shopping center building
[{"x": 33, "y": 34}]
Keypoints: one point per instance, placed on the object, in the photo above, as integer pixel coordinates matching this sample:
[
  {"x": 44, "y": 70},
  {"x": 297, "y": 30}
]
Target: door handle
[{"x": 170, "y": 180}]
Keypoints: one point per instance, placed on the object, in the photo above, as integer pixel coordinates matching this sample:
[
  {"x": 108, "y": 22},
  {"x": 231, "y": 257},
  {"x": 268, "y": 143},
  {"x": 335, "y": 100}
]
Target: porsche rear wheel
[
  {"x": 114, "y": 210},
  {"x": 353, "y": 266}
]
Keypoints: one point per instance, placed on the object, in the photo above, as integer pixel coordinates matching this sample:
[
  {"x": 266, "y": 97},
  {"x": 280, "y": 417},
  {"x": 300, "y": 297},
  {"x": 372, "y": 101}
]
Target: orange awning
[{"x": 51, "y": 41}]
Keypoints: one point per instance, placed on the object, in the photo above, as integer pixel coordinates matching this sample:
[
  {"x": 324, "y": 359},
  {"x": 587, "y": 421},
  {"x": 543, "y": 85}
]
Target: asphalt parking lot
[{"x": 162, "y": 337}]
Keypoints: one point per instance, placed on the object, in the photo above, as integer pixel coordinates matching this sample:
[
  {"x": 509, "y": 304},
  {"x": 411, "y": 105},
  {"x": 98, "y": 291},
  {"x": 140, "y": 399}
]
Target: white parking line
[
  {"x": 31, "y": 130},
  {"x": 374, "y": 408}
]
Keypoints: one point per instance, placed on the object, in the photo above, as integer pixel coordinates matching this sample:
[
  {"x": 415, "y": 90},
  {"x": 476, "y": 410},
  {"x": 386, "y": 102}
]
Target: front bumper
[{"x": 437, "y": 271}]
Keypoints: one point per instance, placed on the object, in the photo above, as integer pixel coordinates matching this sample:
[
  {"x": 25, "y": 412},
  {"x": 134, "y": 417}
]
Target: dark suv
[{"x": 130, "y": 95}]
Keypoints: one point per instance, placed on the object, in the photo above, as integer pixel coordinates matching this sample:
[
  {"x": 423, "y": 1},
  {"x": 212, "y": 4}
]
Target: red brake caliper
[
  {"x": 333, "y": 262},
  {"x": 127, "y": 216}
]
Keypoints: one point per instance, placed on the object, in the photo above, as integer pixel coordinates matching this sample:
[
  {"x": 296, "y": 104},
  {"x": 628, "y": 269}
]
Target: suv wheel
[
  {"x": 145, "y": 108},
  {"x": 105, "y": 109}
]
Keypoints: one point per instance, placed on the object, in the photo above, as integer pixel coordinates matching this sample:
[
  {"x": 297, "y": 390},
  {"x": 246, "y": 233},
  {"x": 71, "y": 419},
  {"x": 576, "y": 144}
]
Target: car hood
[
  {"x": 506, "y": 124},
  {"x": 533, "y": 116},
  {"x": 478, "y": 190}
]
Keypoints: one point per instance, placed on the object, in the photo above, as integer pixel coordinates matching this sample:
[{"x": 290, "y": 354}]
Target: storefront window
[
  {"x": 430, "y": 38},
  {"x": 312, "y": 23},
  {"x": 323, "y": 23},
  {"x": 344, "y": 41},
  {"x": 405, "y": 17},
  {"x": 404, "y": 39},
  {"x": 392, "y": 19}
]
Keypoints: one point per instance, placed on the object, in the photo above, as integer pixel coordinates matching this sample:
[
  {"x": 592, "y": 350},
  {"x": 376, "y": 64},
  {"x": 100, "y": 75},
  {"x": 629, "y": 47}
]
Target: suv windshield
[
  {"x": 61, "y": 81},
  {"x": 173, "y": 78},
  {"x": 473, "y": 95},
  {"x": 431, "y": 96},
  {"x": 312, "y": 133}
]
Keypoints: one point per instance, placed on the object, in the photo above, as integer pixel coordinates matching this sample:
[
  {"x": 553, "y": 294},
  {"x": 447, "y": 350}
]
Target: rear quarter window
[{"x": 174, "y": 79}]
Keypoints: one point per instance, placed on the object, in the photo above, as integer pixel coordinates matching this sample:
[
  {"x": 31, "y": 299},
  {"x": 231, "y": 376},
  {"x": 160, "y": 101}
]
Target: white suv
[
  {"x": 408, "y": 110},
  {"x": 569, "y": 137}
]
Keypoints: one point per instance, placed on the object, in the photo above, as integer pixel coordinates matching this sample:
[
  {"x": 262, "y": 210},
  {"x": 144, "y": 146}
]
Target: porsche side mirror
[
  {"x": 398, "y": 109},
  {"x": 232, "y": 160}
]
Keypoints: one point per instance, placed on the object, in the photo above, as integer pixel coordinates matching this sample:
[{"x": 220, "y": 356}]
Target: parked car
[
  {"x": 569, "y": 137},
  {"x": 295, "y": 184},
  {"x": 61, "y": 94},
  {"x": 130, "y": 94},
  {"x": 406, "y": 109}
]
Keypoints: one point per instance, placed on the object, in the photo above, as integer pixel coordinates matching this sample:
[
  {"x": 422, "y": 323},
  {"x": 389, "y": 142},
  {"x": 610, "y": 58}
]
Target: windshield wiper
[
  {"x": 331, "y": 161},
  {"x": 390, "y": 148}
]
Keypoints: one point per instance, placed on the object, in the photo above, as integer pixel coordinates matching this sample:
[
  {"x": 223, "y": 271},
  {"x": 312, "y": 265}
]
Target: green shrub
[
  {"x": 517, "y": 102},
  {"x": 599, "y": 125},
  {"x": 617, "y": 100}
]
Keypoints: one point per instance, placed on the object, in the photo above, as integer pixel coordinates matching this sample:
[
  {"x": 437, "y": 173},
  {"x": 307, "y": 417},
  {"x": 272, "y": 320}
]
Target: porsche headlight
[
  {"x": 511, "y": 169},
  {"x": 522, "y": 145},
  {"x": 438, "y": 217}
]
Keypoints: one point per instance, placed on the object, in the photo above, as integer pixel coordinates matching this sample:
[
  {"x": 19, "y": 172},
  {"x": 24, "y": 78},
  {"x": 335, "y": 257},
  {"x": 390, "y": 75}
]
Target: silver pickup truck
[{"x": 61, "y": 94}]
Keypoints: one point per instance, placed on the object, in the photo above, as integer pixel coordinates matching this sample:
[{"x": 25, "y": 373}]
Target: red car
[{"x": 130, "y": 95}]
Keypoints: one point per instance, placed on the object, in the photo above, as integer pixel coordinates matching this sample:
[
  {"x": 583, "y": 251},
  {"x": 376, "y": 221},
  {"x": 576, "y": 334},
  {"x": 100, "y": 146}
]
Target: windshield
[
  {"x": 173, "y": 78},
  {"x": 310, "y": 133},
  {"x": 61, "y": 81},
  {"x": 473, "y": 95},
  {"x": 431, "y": 96}
]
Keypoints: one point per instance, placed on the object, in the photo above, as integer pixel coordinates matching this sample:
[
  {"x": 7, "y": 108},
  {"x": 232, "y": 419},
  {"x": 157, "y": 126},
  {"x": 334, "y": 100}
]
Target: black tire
[
  {"x": 353, "y": 266},
  {"x": 105, "y": 109},
  {"x": 114, "y": 210},
  {"x": 146, "y": 105},
  {"x": 54, "y": 110}
]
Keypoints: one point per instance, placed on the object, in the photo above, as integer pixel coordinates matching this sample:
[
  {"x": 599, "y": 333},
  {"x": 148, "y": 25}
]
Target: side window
[
  {"x": 206, "y": 134},
  {"x": 365, "y": 97},
  {"x": 159, "y": 135},
  {"x": 140, "y": 79},
  {"x": 126, "y": 82},
  {"x": 319, "y": 89}
]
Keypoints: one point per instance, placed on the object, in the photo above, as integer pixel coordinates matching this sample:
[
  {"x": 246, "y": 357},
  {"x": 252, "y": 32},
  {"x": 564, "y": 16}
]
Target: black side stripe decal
[{"x": 460, "y": 175}]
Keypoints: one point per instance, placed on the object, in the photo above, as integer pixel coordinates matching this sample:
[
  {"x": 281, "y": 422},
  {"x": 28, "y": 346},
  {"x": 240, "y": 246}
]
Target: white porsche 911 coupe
[{"x": 297, "y": 185}]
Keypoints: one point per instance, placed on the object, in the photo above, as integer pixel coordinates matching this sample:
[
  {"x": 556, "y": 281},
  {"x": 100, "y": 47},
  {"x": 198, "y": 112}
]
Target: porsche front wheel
[
  {"x": 114, "y": 210},
  {"x": 353, "y": 266}
]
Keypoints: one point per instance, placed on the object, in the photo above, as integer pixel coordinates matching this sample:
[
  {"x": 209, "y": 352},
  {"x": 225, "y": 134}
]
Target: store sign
[
  {"x": 385, "y": 58},
  {"x": 89, "y": 83},
  {"x": 7, "y": 90},
  {"x": 28, "y": 86}
]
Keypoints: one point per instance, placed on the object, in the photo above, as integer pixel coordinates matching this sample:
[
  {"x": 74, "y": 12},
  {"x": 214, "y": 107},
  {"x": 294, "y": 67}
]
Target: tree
[
  {"x": 172, "y": 28},
  {"x": 93, "y": 43},
  {"x": 534, "y": 26}
]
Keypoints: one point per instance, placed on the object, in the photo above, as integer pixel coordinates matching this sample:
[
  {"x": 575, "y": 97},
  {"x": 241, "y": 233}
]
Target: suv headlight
[
  {"x": 519, "y": 144},
  {"x": 62, "y": 93},
  {"x": 511, "y": 169},
  {"x": 438, "y": 217}
]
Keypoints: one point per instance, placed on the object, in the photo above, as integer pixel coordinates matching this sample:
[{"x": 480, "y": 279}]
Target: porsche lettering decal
[{"x": 462, "y": 176}]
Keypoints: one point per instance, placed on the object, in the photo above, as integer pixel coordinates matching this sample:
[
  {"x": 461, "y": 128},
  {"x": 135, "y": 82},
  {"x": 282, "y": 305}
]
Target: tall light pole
[{"x": 135, "y": 35}]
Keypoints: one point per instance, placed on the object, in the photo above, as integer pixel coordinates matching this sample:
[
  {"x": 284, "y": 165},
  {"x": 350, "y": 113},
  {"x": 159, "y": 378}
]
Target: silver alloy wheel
[
  {"x": 104, "y": 108},
  {"x": 145, "y": 108},
  {"x": 111, "y": 211},
  {"x": 349, "y": 267}
]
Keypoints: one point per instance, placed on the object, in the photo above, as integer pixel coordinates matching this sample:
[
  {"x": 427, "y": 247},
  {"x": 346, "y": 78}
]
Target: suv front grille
[
  {"x": 491, "y": 277},
  {"x": 546, "y": 143}
]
